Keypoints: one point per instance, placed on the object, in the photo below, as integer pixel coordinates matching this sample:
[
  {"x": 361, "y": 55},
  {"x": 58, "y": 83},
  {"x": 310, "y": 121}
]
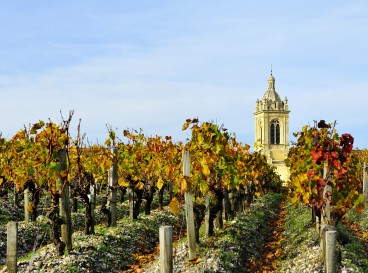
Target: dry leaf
[{"x": 174, "y": 206}]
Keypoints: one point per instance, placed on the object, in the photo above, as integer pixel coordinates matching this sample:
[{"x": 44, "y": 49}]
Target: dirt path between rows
[{"x": 271, "y": 250}]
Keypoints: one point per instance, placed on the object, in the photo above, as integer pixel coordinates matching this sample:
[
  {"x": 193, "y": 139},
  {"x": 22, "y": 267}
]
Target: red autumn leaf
[
  {"x": 320, "y": 184},
  {"x": 346, "y": 141},
  {"x": 311, "y": 173},
  {"x": 317, "y": 156},
  {"x": 336, "y": 164}
]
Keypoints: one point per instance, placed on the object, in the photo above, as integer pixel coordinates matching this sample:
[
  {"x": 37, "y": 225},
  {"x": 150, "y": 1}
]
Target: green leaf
[
  {"x": 359, "y": 203},
  {"x": 112, "y": 135},
  {"x": 108, "y": 142},
  {"x": 218, "y": 148},
  {"x": 33, "y": 131},
  {"x": 54, "y": 166},
  {"x": 30, "y": 171}
]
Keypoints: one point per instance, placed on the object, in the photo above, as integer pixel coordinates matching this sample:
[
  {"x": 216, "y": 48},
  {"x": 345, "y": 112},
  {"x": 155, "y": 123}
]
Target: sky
[{"x": 153, "y": 64}]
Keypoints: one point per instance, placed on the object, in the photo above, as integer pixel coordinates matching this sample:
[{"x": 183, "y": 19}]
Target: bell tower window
[
  {"x": 275, "y": 132},
  {"x": 261, "y": 135}
]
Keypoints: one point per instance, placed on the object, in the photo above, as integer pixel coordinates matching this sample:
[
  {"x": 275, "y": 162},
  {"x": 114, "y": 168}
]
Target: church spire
[
  {"x": 271, "y": 95},
  {"x": 271, "y": 83}
]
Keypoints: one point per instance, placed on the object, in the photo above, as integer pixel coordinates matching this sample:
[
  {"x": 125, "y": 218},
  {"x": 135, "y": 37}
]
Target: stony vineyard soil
[{"x": 268, "y": 237}]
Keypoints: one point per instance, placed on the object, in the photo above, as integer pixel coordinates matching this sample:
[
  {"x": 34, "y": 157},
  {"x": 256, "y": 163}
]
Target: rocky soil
[
  {"x": 128, "y": 247},
  {"x": 300, "y": 250}
]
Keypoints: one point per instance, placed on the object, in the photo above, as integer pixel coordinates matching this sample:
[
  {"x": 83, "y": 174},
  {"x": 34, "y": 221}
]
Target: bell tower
[{"x": 272, "y": 128}]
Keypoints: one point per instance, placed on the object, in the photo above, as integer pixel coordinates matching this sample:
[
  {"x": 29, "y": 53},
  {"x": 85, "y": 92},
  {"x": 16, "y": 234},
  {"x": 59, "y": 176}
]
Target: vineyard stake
[
  {"x": 11, "y": 250},
  {"x": 207, "y": 216},
  {"x": 92, "y": 200},
  {"x": 365, "y": 189},
  {"x": 26, "y": 204},
  {"x": 64, "y": 209},
  {"x": 330, "y": 260},
  {"x": 327, "y": 218},
  {"x": 166, "y": 249},
  {"x": 131, "y": 202},
  {"x": 189, "y": 208},
  {"x": 16, "y": 197},
  {"x": 318, "y": 225},
  {"x": 113, "y": 181}
]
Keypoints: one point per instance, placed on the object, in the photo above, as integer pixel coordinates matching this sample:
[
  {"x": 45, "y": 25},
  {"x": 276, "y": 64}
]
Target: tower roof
[{"x": 271, "y": 95}]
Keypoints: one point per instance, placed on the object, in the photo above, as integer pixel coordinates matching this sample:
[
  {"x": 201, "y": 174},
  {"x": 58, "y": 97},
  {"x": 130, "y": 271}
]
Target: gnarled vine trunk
[
  {"x": 199, "y": 213},
  {"x": 55, "y": 226},
  {"x": 148, "y": 195},
  {"x": 138, "y": 203},
  {"x": 35, "y": 192},
  {"x": 214, "y": 211},
  {"x": 105, "y": 210},
  {"x": 161, "y": 198},
  {"x": 229, "y": 212}
]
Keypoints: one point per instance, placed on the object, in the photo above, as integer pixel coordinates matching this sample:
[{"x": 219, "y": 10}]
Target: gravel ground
[
  {"x": 114, "y": 249},
  {"x": 301, "y": 246},
  {"x": 301, "y": 251}
]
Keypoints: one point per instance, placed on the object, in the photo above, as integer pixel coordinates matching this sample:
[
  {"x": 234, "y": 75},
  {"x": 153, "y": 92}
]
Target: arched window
[
  {"x": 261, "y": 135},
  {"x": 275, "y": 132},
  {"x": 260, "y": 131}
]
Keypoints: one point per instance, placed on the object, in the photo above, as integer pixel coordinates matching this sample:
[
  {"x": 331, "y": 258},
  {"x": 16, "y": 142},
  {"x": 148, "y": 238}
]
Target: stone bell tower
[{"x": 272, "y": 128}]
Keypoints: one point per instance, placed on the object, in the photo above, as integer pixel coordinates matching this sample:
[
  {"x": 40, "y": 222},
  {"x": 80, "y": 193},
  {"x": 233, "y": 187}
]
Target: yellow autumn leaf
[
  {"x": 295, "y": 199},
  {"x": 306, "y": 198},
  {"x": 30, "y": 208},
  {"x": 139, "y": 186},
  {"x": 160, "y": 183},
  {"x": 200, "y": 139},
  {"x": 183, "y": 184},
  {"x": 185, "y": 126},
  {"x": 122, "y": 182},
  {"x": 205, "y": 169},
  {"x": 195, "y": 260},
  {"x": 174, "y": 206},
  {"x": 63, "y": 174}
]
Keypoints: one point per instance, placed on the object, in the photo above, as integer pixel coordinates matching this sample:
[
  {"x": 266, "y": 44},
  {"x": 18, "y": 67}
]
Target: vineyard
[{"x": 78, "y": 207}]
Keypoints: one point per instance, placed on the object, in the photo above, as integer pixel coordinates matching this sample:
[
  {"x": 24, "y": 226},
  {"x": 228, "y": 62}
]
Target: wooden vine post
[
  {"x": 166, "y": 249},
  {"x": 113, "y": 181},
  {"x": 131, "y": 202},
  {"x": 92, "y": 200},
  {"x": 327, "y": 219},
  {"x": 26, "y": 205},
  {"x": 189, "y": 207},
  {"x": 207, "y": 216},
  {"x": 16, "y": 197},
  {"x": 365, "y": 188},
  {"x": 65, "y": 213},
  {"x": 11, "y": 249},
  {"x": 330, "y": 251}
]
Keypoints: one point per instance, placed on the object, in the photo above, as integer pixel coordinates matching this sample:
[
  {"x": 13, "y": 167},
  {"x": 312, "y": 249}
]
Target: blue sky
[{"x": 152, "y": 64}]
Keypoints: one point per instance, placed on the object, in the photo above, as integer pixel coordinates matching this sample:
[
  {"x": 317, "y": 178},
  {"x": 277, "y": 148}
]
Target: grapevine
[{"x": 324, "y": 172}]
